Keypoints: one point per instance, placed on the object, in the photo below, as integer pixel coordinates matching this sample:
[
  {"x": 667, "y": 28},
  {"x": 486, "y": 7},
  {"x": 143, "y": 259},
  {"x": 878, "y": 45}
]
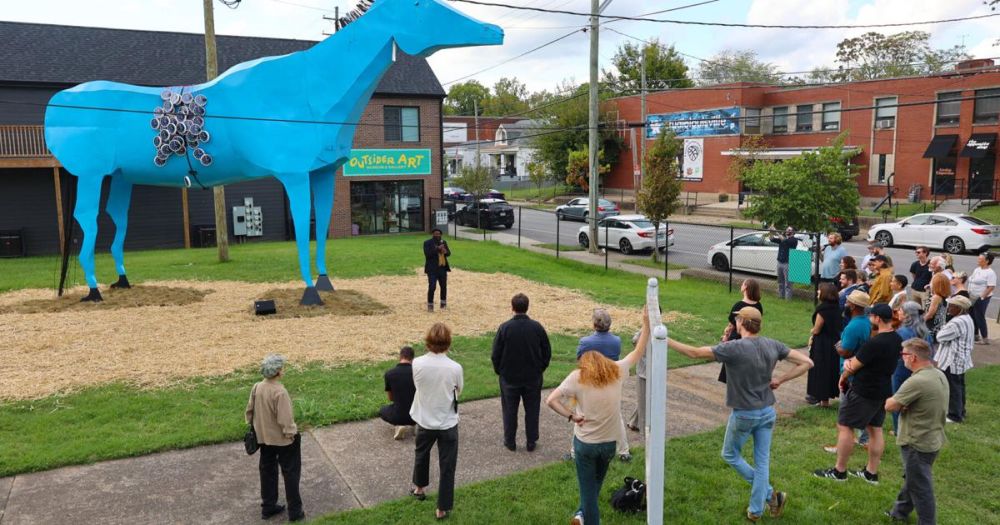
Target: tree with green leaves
[
  {"x": 510, "y": 95},
  {"x": 665, "y": 67},
  {"x": 462, "y": 98},
  {"x": 661, "y": 187},
  {"x": 578, "y": 167},
  {"x": 874, "y": 55},
  {"x": 537, "y": 175},
  {"x": 805, "y": 191},
  {"x": 476, "y": 181},
  {"x": 730, "y": 66},
  {"x": 571, "y": 117}
]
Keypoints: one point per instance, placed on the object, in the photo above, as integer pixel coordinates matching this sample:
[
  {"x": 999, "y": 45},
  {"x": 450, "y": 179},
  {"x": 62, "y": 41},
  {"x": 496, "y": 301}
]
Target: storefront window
[
  {"x": 944, "y": 176},
  {"x": 387, "y": 207}
]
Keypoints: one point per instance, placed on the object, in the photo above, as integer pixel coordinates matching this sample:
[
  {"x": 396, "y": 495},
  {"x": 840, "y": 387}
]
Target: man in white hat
[{"x": 954, "y": 354}]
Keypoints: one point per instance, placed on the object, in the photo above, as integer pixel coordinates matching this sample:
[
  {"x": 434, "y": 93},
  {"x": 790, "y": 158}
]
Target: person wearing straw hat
[
  {"x": 750, "y": 382},
  {"x": 954, "y": 354}
]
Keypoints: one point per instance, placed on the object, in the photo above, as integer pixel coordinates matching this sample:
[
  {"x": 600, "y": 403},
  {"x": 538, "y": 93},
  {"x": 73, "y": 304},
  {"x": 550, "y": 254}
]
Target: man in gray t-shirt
[{"x": 750, "y": 363}]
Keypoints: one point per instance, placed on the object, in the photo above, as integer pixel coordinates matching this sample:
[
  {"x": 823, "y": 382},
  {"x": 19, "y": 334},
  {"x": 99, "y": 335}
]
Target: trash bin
[{"x": 11, "y": 243}]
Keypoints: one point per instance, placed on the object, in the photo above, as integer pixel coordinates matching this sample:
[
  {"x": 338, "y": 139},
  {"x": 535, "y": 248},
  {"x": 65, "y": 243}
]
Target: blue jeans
[
  {"x": 759, "y": 424},
  {"x": 901, "y": 374},
  {"x": 592, "y": 462}
]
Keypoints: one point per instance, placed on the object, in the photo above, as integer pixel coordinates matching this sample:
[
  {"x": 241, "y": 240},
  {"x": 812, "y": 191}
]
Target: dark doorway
[
  {"x": 981, "y": 172},
  {"x": 944, "y": 176}
]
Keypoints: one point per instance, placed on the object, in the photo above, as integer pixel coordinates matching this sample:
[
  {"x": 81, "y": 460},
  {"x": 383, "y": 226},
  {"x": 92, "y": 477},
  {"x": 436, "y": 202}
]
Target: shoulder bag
[{"x": 250, "y": 443}]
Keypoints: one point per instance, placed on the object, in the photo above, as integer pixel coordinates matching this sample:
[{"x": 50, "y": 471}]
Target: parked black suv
[
  {"x": 847, "y": 228},
  {"x": 491, "y": 214}
]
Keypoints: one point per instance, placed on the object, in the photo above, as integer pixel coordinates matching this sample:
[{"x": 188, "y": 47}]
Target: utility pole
[
  {"x": 335, "y": 20},
  {"x": 475, "y": 110},
  {"x": 595, "y": 9},
  {"x": 218, "y": 192},
  {"x": 642, "y": 109},
  {"x": 592, "y": 132}
]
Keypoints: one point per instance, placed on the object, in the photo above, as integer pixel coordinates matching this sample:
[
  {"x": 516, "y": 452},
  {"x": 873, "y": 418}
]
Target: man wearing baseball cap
[
  {"x": 863, "y": 406},
  {"x": 750, "y": 363},
  {"x": 954, "y": 354},
  {"x": 856, "y": 333}
]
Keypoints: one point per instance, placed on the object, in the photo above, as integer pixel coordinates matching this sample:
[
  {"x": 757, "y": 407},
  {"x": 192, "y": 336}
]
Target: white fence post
[{"x": 656, "y": 407}]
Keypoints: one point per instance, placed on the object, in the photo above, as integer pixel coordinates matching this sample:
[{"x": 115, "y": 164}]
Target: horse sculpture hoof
[
  {"x": 311, "y": 297},
  {"x": 93, "y": 297},
  {"x": 122, "y": 283},
  {"x": 323, "y": 283}
]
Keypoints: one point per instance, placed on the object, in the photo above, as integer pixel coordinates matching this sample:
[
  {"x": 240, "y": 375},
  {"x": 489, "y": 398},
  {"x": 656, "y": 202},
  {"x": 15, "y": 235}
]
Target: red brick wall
[
  {"x": 914, "y": 129},
  {"x": 371, "y": 134}
]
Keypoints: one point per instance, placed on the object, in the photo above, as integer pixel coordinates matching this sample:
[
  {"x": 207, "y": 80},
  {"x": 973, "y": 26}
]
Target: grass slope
[{"x": 701, "y": 488}]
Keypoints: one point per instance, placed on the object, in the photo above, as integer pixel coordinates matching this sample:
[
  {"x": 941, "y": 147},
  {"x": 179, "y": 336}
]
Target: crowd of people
[{"x": 880, "y": 342}]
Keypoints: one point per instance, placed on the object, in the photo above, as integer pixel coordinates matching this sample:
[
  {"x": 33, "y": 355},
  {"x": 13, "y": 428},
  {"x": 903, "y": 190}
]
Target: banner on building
[
  {"x": 711, "y": 122},
  {"x": 694, "y": 154},
  {"x": 371, "y": 162}
]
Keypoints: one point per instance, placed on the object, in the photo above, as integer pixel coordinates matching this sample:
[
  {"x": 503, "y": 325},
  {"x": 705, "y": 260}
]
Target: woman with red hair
[{"x": 596, "y": 386}]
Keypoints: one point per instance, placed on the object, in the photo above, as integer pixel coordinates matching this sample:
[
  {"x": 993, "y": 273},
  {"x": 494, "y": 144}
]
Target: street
[{"x": 692, "y": 242}]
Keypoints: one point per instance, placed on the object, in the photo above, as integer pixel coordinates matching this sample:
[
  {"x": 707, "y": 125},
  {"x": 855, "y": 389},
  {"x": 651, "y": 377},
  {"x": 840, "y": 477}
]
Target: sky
[{"x": 567, "y": 60}]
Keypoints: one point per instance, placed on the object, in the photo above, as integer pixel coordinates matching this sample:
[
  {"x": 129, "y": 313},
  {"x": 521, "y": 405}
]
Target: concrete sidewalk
[{"x": 345, "y": 466}]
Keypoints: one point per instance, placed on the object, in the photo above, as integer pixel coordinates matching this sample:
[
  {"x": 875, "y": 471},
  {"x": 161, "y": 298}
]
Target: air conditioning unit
[{"x": 885, "y": 123}]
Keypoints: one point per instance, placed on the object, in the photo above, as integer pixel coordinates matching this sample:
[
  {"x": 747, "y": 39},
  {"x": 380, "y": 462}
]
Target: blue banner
[{"x": 709, "y": 122}]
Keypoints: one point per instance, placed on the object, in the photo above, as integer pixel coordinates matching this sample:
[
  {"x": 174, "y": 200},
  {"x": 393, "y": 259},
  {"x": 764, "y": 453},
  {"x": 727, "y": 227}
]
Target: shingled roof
[{"x": 55, "y": 54}]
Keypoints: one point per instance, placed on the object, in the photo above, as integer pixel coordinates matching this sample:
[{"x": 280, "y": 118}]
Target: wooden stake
[{"x": 59, "y": 208}]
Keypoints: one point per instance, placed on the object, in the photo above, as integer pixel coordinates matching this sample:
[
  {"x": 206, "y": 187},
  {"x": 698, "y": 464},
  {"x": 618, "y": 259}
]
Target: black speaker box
[{"x": 264, "y": 308}]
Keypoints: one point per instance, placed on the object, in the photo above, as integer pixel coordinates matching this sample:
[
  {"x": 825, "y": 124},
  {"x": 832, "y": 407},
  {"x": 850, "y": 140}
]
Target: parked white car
[
  {"x": 628, "y": 233},
  {"x": 754, "y": 252},
  {"x": 951, "y": 232}
]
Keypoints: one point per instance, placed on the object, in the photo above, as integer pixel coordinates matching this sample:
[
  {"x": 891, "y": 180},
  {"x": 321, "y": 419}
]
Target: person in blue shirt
[
  {"x": 832, "y": 255},
  {"x": 786, "y": 243},
  {"x": 602, "y": 340}
]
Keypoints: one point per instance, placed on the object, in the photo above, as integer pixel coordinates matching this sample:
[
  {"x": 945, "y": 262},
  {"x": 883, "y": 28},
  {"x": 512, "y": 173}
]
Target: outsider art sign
[
  {"x": 369, "y": 162},
  {"x": 725, "y": 121},
  {"x": 694, "y": 154}
]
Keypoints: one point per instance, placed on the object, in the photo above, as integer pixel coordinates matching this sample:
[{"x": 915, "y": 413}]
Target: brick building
[
  {"x": 402, "y": 118},
  {"x": 934, "y": 135}
]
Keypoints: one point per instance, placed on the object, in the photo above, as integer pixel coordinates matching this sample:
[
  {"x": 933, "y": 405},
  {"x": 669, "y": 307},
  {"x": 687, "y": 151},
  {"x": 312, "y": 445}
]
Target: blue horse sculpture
[{"x": 295, "y": 120}]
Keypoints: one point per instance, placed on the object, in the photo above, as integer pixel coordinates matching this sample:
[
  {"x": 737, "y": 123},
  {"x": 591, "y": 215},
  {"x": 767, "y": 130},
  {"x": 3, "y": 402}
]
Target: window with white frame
[
  {"x": 751, "y": 122},
  {"x": 831, "y": 116},
  {"x": 885, "y": 113},
  {"x": 804, "y": 117},
  {"x": 948, "y": 107},
  {"x": 780, "y": 120}
]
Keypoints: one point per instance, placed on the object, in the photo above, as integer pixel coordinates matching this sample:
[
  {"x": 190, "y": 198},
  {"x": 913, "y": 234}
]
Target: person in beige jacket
[{"x": 270, "y": 411}]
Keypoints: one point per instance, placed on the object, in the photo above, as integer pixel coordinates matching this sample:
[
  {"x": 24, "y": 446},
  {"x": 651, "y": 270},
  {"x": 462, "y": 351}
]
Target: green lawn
[
  {"x": 701, "y": 488},
  {"x": 905, "y": 209},
  {"x": 562, "y": 247},
  {"x": 533, "y": 194},
  {"x": 650, "y": 263},
  {"x": 118, "y": 421},
  {"x": 990, "y": 214}
]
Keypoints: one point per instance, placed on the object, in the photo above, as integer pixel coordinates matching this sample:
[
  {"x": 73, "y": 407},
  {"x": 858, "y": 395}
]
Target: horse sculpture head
[{"x": 423, "y": 27}]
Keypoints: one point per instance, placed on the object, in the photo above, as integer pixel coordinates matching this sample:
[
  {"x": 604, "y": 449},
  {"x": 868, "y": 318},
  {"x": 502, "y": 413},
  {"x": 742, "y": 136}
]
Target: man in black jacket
[
  {"x": 521, "y": 353},
  {"x": 436, "y": 267}
]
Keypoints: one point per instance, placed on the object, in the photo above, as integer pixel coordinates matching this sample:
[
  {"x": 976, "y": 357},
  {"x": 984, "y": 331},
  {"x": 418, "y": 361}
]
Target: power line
[
  {"x": 494, "y": 66},
  {"x": 730, "y": 24}
]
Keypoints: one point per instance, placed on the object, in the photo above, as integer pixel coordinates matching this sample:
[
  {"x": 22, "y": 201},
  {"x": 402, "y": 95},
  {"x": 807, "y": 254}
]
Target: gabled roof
[{"x": 54, "y": 54}]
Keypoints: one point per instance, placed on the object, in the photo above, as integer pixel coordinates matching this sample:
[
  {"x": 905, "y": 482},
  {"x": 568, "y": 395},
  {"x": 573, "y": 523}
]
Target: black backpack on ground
[{"x": 631, "y": 497}]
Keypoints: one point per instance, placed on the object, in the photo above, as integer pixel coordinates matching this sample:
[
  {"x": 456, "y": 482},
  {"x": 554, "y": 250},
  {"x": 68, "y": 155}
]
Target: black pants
[
  {"x": 956, "y": 395},
  {"x": 289, "y": 457},
  {"x": 510, "y": 400},
  {"x": 390, "y": 415},
  {"x": 447, "y": 442},
  {"x": 433, "y": 278},
  {"x": 917, "y": 491}
]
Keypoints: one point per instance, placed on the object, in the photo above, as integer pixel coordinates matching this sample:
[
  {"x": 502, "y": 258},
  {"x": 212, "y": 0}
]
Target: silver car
[{"x": 579, "y": 209}]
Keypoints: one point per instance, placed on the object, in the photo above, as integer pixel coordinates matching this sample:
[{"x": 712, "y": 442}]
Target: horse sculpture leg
[
  {"x": 321, "y": 183},
  {"x": 117, "y": 207},
  {"x": 297, "y": 188},
  {"x": 88, "y": 199}
]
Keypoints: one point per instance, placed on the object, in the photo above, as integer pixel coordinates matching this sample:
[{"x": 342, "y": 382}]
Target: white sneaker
[
  {"x": 577, "y": 519},
  {"x": 400, "y": 433}
]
